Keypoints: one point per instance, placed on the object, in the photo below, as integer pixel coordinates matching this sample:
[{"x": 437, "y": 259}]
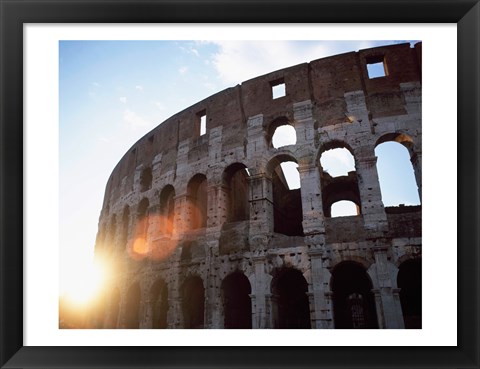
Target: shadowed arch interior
[
  {"x": 159, "y": 304},
  {"x": 236, "y": 183},
  {"x": 289, "y": 299},
  {"x": 193, "y": 300},
  {"x": 133, "y": 307},
  {"x": 167, "y": 209},
  {"x": 236, "y": 301},
  {"x": 353, "y": 300},
  {"x": 409, "y": 280},
  {"x": 197, "y": 193}
]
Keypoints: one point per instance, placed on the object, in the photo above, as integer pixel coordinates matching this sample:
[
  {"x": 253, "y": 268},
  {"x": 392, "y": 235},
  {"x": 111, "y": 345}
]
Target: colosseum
[{"x": 202, "y": 230}]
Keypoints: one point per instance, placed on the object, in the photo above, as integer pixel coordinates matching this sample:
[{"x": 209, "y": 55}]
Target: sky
[{"x": 113, "y": 92}]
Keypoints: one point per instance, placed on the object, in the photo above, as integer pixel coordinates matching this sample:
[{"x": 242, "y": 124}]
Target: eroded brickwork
[{"x": 201, "y": 231}]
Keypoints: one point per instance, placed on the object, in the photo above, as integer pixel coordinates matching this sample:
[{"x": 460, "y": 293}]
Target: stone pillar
[
  {"x": 261, "y": 204},
  {"x": 175, "y": 313},
  {"x": 181, "y": 221},
  {"x": 373, "y": 211},
  {"x": 260, "y": 313},
  {"x": 304, "y": 123},
  {"x": 257, "y": 144},
  {"x": 387, "y": 304},
  {"x": 271, "y": 316},
  {"x": 147, "y": 321},
  {"x": 313, "y": 218},
  {"x": 321, "y": 314},
  {"x": 416, "y": 160},
  {"x": 217, "y": 202}
]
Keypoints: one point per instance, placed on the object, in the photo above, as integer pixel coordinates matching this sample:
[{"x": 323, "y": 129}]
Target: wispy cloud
[
  {"x": 183, "y": 70},
  {"x": 190, "y": 50},
  {"x": 139, "y": 87},
  {"x": 237, "y": 61},
  {"x": 96, "y": 84},
  {"x": 159, "y": 105},
  {"x": 123, "y": 100},
  {"x": 134, "y": 121}
]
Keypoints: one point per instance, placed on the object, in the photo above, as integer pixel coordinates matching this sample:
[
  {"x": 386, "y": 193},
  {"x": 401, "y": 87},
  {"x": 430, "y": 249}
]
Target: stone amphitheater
[{"x": 201, "y": 229}]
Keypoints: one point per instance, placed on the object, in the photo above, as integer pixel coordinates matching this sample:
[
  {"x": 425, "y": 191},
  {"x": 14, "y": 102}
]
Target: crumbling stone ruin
[{"x": 203, "y": 231}]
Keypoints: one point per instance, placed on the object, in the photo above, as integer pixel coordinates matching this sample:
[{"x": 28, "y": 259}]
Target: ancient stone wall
[{"x": 201, "y": 231}]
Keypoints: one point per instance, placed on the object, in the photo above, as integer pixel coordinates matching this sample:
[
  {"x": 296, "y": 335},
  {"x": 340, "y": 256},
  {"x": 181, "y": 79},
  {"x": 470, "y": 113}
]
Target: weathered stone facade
[{"x": 202, "y": 232}]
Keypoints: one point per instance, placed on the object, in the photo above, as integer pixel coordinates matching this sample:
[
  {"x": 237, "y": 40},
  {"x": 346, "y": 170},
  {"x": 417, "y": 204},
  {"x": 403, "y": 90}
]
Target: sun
[{"x": 84, "y": 282}]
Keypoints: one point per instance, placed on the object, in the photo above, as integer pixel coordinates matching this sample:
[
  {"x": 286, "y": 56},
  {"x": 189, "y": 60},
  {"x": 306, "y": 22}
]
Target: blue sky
[{"x": 114, "y": 92}]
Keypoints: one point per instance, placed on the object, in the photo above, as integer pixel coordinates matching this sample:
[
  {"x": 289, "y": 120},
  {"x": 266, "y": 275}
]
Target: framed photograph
[{"x": 418, "y": 267}]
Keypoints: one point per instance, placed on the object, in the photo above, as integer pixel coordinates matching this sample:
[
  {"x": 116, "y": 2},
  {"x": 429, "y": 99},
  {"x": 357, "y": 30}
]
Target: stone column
[
  {"x": 181, "y": 219},
  {"x": 313, "y": 218},
  {"x": 261, "y": 204},
  {"x": 390, "y": 310},
  {"x": 373, "y": 211},
  {"x": 260, "y": 313},
  {"x": 416, "y": 160},
  {"x": 321, "y": 315},
  {"x": 304, "y": 123}
]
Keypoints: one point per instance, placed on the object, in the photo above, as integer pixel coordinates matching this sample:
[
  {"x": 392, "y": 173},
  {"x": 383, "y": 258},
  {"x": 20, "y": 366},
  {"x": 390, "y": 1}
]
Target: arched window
[
  {"x": 353, "y": 300},
  {"x": 125, "y": 226},
  {"x": 339, "y": 181},
  {"x": 290, "y": 300},
  {"x": 193, "y": 300},
  {"x": 395, "y": 172},
  {"x": 283, "y": 136},
  {"x": 344, "y": 208},
  {"x": 235, "y": 180},
  {"x": 236, "y": 291},
  {"x": 146, "y": 179},
  {"x": 167, "y": 209},
  {"x": 159, "y": 304},
  {"x": 287, "y": 198},
  {"x": 281, "y": 133},
  {"x": 132, "y": 318},
  {"x": 197, "y": 193},
  {"x": 141, "y": 229},
  {"x": 409, "y": 280}
]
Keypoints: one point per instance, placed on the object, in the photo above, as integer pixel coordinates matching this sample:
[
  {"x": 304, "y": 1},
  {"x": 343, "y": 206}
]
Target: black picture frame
[{"x": 15, "y": 13}]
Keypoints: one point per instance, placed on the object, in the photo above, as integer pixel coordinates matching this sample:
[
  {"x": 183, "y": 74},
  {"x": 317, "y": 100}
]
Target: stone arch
[
  {"x": 409, "y": 281},
  {"x": 125, "y": 227},
  {"x": 275, "y": 123},
  {"x": 409, "y": 183},
  {"x": 146, "y": 178},
  {"x": 338, "y": 188},
  {"x": 197, "y": 198},
  {"x": 353, "y": 300},
  {"x": 193, "y": 302},
  {"x": 167, "y": 209},
  {"x": 237, "y": 307},
  {"x": 140, "y": 244},
  {"x": 235, "y": 181},
  {"x": 159, "y": 304},
  {"x": 290, "y": 303},
  {"x": 287, "y": 202},
  {"x": 132, "y": 306}
]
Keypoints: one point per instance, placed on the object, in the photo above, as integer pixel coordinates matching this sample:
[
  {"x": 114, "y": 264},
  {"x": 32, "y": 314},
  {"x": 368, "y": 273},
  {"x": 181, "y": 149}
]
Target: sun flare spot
[{"x": 84, "y": 285}]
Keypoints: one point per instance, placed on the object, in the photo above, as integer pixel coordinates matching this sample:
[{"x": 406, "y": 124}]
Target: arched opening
[
  {"x": 353, "y": 300},
  {"x": 125, "y": 225},
  {"x": 235, "y": 179},
  {"x": 146, "y": 179},
  {"x": 395, "y": 172},
  {"x": 289, "y": 299},
  {"x": 193, "y": 300},
  {"x": 339, "y": 181},
  {"x": 409, "y": 280},
  {"x": 344, "y": 208},
  {"x": 287, "y": 197},
  {"x": 141, "y": 229},
  {"x": 167, "y": 209},
  {"x": 159, "y": 304},
  {"x": 197, "y": 193},
  {"x": 280, "y": 132},
  {"x": 284, "y": 135},
  {"x": 132, "y": 318},
  {"x": 337, "y": 162},
  {"x": 236, "y": 292}
]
